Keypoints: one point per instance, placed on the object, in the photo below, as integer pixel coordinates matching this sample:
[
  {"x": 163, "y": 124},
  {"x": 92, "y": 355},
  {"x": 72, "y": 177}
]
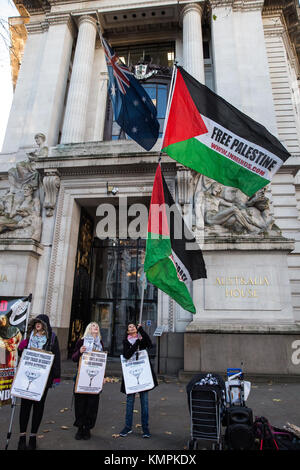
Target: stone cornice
[
  {"x": 290, "y": 10},
  {"x": 248, "y": 5},
  {"x": 36, "y": 6},
  {"x": 37, "y": 27},
  {"x": 88, "y": 166},
  {"x": 21, "y": 245},
  {"x": 248, "y": 243},
  {"x": 58, "y": 19},
  {"x": 275, "y": 25},
  {"x": 220, "y": 3}
]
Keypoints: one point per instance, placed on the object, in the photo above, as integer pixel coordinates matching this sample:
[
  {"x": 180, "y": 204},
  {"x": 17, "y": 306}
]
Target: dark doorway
[
  {"x": 117, "y": 288},
  {"x": 108, "y": 288},
  {"x": 80, "y": 310}
]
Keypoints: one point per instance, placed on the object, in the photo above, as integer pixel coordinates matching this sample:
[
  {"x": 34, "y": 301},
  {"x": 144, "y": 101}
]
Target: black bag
[
  {"x": 207, "y": 382},
  {"x": 239, "y": 433},
  {"x": 269, "y": 437}
]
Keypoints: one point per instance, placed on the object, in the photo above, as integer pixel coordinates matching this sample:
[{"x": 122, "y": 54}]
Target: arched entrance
[{"x": 108, "y": 287}]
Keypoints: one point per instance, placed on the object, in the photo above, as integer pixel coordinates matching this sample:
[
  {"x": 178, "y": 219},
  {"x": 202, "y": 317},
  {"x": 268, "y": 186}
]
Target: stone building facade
[{"x": 54, "y": 192}]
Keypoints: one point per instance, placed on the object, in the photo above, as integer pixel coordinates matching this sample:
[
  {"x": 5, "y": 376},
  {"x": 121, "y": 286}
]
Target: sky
[{"x": 7, "y": 9}]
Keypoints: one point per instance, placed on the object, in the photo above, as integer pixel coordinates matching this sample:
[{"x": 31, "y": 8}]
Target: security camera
[{"x": 114, "y": 190}]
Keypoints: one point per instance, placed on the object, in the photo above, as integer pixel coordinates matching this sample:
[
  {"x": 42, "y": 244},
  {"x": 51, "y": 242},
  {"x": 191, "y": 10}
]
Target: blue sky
[{"x": 7, "y": 9}]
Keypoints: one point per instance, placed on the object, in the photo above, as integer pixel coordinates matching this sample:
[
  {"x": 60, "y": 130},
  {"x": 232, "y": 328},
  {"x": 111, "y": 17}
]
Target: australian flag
[{"x": 133, "y": 109}]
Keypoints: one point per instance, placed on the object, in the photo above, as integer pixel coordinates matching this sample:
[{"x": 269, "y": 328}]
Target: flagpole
[
  {"x": 174, "y": 72},
  {"x": 142, "y": 298},
  {"x": 28, "y": 314},
  {"x": 99, "y": 29}
]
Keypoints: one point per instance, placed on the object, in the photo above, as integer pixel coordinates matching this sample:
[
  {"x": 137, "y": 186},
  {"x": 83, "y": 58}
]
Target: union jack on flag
[
  {"x": 120, "y": 71},
  {"x": 133, "y": 109}
]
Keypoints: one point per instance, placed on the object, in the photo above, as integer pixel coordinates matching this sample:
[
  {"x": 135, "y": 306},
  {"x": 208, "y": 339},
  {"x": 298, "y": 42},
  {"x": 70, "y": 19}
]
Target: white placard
[
  {"x": 88, "y": 342},
  {"x": 137, "y": 373},
  {"x": 91, "y": 372},
  {"x": 160, "y": 330},
  {"x": 32, "y": 374}
]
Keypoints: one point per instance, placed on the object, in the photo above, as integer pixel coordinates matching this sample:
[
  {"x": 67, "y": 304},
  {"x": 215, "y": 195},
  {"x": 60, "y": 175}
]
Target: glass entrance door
[{"x": 117, "y": 290}]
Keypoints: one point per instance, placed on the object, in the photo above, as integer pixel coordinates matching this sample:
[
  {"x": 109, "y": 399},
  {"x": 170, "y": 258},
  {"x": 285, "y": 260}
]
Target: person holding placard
[
  {"x": 39, "y": 336},
  {"x": 86, "y": 404},
  {"x": 136, "y": 339}
]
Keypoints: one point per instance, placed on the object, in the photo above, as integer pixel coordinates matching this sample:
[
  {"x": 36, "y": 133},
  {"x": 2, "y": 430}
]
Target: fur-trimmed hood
[{"x": 32, "y": 323}]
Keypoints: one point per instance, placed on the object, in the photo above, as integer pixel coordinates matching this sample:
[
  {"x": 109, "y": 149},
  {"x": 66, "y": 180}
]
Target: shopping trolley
[{"x": 206, "y": 400}]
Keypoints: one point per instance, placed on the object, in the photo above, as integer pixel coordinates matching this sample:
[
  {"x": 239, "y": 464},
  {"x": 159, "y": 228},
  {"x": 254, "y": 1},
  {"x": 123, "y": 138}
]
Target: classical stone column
[
  {"x": 25, "y": 91},
  {"x": 78, "y": 96},
  {"x": 193, "y": 61},
  {"x": 224, "y": 51},
  {"x": 241, "y": 66},
  {"x": 179, "y": 51},
  {"x": 50, "y": 87},
  {"x": 97, "y": 97}
]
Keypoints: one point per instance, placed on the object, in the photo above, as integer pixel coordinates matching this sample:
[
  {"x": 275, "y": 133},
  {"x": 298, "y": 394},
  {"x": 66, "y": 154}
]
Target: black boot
[
  {"x": 22, "y": 443},
  {"x": 79, "y": 434},
  {"x": 86, "y": 434},
  {"x": 32, "y": 443}
]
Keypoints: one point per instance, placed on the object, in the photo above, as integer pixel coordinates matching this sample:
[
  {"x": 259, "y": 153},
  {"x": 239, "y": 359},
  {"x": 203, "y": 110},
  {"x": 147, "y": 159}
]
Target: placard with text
[
  {"x": 91, "y": 372},
  {"x": 137, "y": 373},
  {"x": 32, "y": 374}
]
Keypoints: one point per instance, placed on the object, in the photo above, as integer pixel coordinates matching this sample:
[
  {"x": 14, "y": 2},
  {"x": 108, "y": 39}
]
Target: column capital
[
  {"x": 85, "y": 18},
  {"x": 197, "y": 7},
  {"x": 192, "y": 40}
]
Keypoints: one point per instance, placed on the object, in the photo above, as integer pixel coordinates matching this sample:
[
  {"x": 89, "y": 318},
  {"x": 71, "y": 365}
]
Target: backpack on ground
[{"x": 268, "y": 437}]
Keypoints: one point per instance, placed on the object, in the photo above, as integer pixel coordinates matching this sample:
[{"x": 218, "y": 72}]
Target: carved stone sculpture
[
  {"x": 228, "y": 211},
  {"x": 42, "y": 150},
  {"x": 20, "y": 213},
  {"x": 51, "y": 184},
  {"x": 25, "y": 171}
]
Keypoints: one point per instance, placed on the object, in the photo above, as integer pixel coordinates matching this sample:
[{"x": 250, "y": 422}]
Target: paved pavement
[{"x": 169, "y": 416}]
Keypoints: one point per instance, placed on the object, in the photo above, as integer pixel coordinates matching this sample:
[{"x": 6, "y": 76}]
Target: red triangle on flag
[
  {"x": 158, "y": 220},
  {"x": 184, "y": 120}
]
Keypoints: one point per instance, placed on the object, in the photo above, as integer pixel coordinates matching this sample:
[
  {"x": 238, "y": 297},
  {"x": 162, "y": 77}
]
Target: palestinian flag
[
  {"x": 173, "y": 258},
  {"x": 206, "y": 133}
]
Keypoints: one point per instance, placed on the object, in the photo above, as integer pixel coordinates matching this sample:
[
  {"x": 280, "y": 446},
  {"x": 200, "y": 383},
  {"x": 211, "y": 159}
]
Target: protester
[
  {"x": 86, "y": 404},
  {"x": 39, "y": 336},
  {"x": 136, "y": 339}
]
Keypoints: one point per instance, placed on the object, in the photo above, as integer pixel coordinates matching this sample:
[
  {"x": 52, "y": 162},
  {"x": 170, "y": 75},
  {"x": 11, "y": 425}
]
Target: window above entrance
[
  {"x": 161, "y": 55},
  {"x": 152, "y": 64}
]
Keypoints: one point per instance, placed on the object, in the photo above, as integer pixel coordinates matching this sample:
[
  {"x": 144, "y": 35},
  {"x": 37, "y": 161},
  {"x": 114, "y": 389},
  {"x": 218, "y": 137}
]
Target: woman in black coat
[
  {"x": 40, "y": 336},
  {"x": 86, "y": 404},
  {"x": 136, "y": 339}
]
